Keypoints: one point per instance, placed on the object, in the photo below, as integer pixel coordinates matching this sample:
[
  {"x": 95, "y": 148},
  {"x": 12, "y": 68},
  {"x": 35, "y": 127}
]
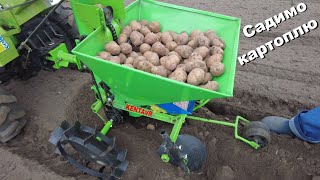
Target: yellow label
[
  {"x": 3, "y": 44},
  {"x": 2, "y": 48}
]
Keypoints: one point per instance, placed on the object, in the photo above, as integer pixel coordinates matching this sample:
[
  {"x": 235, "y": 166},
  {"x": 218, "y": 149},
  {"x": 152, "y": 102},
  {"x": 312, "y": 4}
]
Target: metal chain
[
  {"x": 113, "y": 30},
  {"x": 98, "y": 93}
]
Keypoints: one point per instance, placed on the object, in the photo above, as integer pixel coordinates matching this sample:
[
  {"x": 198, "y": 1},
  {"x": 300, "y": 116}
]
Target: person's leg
[{"x": 278, "y": 125}]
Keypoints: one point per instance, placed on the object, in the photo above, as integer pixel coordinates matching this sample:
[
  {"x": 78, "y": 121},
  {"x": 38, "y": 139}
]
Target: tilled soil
[
  {"x": 285, "y": 158},
  {"x": 282, "y": 84}
]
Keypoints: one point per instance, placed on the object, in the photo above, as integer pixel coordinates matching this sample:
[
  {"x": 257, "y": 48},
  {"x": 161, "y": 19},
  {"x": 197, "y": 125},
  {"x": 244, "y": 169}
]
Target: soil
[{"x": 282, "y": 84}]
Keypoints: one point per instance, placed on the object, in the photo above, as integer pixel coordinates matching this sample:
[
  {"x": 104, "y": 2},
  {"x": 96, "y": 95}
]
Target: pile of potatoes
[{"x": 194, "y": 59}]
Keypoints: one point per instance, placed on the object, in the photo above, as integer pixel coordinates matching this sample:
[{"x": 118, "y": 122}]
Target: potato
[
  {"x": 145, "y": 66},
  {"x": 126, "y": 48},
  {"x": 159, "y": 70},
  {"x": 196, "y": 76},
  {"x": 147, "y": 54},
  {"x": 122, "y": 57},
  {"x": 144, "y": 48},
  {"x": 203, "y": 51},
  {"x": 202, "y": 41},
  {"x": 172, "y": 62},
  {"x": 218, "y": 42},
  {"x": 129, "y": 60},
  {"x": 175, "y": 53},
  {"x": 210, "y": 33},
  {"x": 104, "y": 55},
  {"x": 151, "y": 38},
  {"x": 159, "y": 34},
  {"x": 113, "y": 48},
  {"x": 216, "y": 50},
  {"x": 145, "y": 30},
  {"x": 136, "y": 38},
  {"x": 182, "y": 66},
  {"x": 166, "y": 37},
  {"x": 195, "y": 57},
  {"x": 191, "y": 65},
  {"x": 173, "y": 34},
  {"x": 217, "y": 69},
  {"x": 154, "y": 59},
  {"x": 184, "y": 51},
  {"x": 133, "y": 54},
  {"x": 207, "y": 78},
  {"x": 160, "y": 49},
  {"x": 182, "y": 38},
  {"x": 128, "y": 65},
  {"x": 137, "y": 60},
  {"x": 115, "y": 59},
  {"x": 213, "y": 59},
  {"x": 154, "y": 27},
  {"x": 163, "y": 60},
  {"x": 195, "y": 33},
  {"x": 143, "y": 22},
  {"x": 192, "y": 44},
  {"x": 179, "y": 75},
  {"x": 127, "y": 31},
  {"x": 171, "y": 45},
  {"x": 214, "y": 39},
  {"x": 122, "y": 39},
  {"x": 135, "y": 26},
  {"x": 211, "y": 85}
]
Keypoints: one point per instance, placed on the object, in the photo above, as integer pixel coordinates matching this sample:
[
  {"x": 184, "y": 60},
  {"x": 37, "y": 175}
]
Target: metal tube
[
  {"x": 18, "y": 5},
  {"x": 177, "y": 127},
  {"x": 211, "y": 121}
]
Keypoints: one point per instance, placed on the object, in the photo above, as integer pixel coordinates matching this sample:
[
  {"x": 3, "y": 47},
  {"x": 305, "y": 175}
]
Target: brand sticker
[
  {"x": 142, "y": 111},
  {"x": 3, "y": 44}
]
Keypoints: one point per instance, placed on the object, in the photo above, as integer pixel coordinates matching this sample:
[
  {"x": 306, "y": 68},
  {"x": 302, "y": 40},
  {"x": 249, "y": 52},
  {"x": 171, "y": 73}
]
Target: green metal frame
[
  {"x": 13, "y": 19},
  {"x": 117, "y": 77},
  {"x": 176, "y": 120},
  {"x": 62, "y": 58}
]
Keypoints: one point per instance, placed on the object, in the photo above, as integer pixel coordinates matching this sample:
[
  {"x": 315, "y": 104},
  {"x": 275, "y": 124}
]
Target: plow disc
[{"x": 92, "y": 146}]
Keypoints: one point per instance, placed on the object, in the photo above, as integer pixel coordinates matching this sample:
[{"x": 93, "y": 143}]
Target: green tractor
[{"x": 41, "y": 34}]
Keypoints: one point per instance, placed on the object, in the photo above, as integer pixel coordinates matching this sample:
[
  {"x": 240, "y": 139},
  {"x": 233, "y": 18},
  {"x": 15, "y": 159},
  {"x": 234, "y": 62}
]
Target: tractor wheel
[
  {"x": 11, "y": 116},
  {"x": 195, "y": 150},
  {"x": 258, "y": 132}
]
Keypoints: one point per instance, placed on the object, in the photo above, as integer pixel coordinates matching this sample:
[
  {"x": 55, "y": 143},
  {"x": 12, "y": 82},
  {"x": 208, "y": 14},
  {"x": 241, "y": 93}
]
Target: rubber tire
[
  {"x": 195, "y": 149},
  {"x": 256, "y": 124},
  {"x": 14, "y": 115},
  {"x": 258, "y": 132}
]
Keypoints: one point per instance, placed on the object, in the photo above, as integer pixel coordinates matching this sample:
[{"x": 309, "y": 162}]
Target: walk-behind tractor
[{"x": 35, "y": 36}]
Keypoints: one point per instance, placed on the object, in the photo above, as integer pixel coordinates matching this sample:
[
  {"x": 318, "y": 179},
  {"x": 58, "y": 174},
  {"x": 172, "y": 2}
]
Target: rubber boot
[{"x": 278, "y": 125}]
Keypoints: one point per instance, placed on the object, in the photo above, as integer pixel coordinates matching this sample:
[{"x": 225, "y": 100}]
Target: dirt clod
[
  {"x": 316, "y": 178},
  {"x": 151, "y": 127},
  {"x": 307, "y": 145},
  {"x": 224, "y": 173}
]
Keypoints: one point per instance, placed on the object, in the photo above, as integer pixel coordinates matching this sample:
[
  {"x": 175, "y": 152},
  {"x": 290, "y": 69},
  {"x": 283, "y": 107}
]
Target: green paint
[
  {"x": 9, "y": 54},
  {"x": 141, "y": 88},
  {"x": 201, "y": 103},
  {"x": 165, "y": 158},
  {"x": 12, "y": 19},
  {"x": 105, "y": 129},
  {"x": 89, "y": 16},
  {"x": 177, "y": 127},
  {"x": 61, "y": 57}
]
